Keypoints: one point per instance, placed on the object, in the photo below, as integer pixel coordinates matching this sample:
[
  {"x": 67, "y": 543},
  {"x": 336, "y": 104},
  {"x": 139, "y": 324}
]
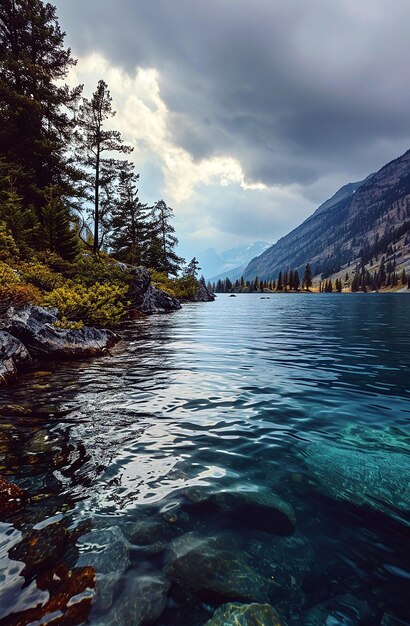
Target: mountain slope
[
  {"x": 232, "y": 260},
  {"x": 360, "y": 219}
]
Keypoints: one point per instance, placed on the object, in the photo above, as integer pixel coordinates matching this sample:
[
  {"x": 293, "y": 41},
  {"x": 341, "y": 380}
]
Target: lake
[{"x": 254, "y": 449}]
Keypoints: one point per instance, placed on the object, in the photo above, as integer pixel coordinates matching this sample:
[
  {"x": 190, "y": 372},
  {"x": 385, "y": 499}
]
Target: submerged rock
[
  {"x": 41, "y": 549},
  {"x": 208, "y": 565},
  {"x": 148, "y": 299},
  {"x": 70, "y": 598},
  {"x": 14, "y": 357},
  {"x": 257, "y": 508},
  {"x": 364, "y": 476},
  {"x": 12, "y": 497},
  {"x": 108, "y": 553},
  {"x": 141, "y": 601},
  {"x": 346, "y": 610},
  {"x": 235, "y": 614},
  {"x": 35, "y": 328}
]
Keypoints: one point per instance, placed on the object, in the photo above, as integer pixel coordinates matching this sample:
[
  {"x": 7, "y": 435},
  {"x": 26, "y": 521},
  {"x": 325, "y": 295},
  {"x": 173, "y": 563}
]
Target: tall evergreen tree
[
  {"x": 57, "y": 230},
  {"x": 94, "y": 141},
  {"x": 130, "y": 219},
  {"x": 307, "y": 277},
  {"x": 162, "y": 254},
  {"x": 36, "y": 107},
  {"x": 296, "y": 280},
  {"x": 192, "y": 269}
]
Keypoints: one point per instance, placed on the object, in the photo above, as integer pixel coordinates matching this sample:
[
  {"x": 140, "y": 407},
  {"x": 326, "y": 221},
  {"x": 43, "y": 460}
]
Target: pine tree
[
  {"x": 37, "y": 108},
  {"x": 93, "y": 141},
  {"x": 279, "y": 284},
  {"x": 20, "y": 221},
  {"x": 162, "y": 255},
  {"x": 307, "y": 277},
  {"x": 129, "y": 220},
  {"x": 192, "y": 269},
  {"x": 58, "y": 233},
  {"x": 296, "y": 280}
]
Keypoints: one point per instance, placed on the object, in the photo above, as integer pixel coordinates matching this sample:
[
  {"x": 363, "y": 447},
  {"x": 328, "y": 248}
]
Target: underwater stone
[
  {"x": 209, "y": 564},
  {"x": 108, "y": 554},
  {"x": 142, "y": 600},
  {"x": 12, "y": 497},
  {"x": 235, "y": 614},
  {"x": 258, "y": 509},
  {"x": 346, "y": 610},
  {"x": 364, "y": 476}
]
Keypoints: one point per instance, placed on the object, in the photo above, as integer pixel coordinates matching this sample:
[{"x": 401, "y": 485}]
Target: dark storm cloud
[{"x": 295, "y": 90}]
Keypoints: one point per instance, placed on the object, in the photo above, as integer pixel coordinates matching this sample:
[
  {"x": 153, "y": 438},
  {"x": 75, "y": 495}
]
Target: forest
[{"x": 71, "y": 219}]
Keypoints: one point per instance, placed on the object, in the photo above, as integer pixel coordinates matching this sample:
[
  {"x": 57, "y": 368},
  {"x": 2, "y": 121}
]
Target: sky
[{"x": 245, "y": 116}]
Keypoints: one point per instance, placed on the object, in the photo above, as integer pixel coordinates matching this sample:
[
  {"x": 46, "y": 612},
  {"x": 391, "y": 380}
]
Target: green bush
[
  {"x": 99, "y": 305},
  {"x": 8, "y": 247},
  {"x": 183, "y": 288},
  {"x": 88, "y": 269},
  {"x": 41, "y": 276}
]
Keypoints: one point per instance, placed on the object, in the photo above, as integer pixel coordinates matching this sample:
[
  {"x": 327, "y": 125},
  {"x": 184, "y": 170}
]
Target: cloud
[
  {"x": 143, "y": 119},
  {"x": 269, "y": 105}
]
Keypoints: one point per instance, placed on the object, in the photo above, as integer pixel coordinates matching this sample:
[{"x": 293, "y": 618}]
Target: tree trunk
[{"x": 96, "y": 203}]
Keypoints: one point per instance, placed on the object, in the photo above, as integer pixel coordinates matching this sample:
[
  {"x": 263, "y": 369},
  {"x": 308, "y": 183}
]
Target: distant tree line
[
  {"x": 385, "y": 276},
  {"x": 286, "y": 281}
]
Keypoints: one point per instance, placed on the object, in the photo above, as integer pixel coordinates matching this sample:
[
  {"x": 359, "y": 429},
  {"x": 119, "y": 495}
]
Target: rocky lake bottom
[{"x": 238, "y": 462}]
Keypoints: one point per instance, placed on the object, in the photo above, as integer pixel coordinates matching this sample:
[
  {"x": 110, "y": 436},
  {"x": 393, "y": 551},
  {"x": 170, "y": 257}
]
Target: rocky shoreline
[{"x": 31, "y": 333}]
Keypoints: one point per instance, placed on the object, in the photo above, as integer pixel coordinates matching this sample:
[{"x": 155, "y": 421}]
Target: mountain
[
  {"x": 232, "y": 261},
  {"x": 363, "y": 220}
]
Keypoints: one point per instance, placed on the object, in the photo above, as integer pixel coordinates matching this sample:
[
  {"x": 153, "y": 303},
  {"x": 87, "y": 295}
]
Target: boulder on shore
[
  {"x": 146, "y": 298},
  {"x": 14, "y": 357},
  {"x": 35, "y": 328},
  {"x": 203, "y": 294}
]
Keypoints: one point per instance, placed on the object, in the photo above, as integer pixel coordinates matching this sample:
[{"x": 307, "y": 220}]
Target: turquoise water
[{"x": 244, "y": 450}]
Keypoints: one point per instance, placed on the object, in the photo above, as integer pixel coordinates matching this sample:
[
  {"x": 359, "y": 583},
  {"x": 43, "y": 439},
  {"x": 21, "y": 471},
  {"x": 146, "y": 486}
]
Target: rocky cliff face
[{"x": 361, "y": 219}]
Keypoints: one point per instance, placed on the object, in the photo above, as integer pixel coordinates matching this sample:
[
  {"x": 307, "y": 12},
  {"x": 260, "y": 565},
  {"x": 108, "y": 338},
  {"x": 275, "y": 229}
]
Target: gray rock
[
  {"x": 158, "y": 301},
  {"x": 108, "y": 552},
  {"x": 203, "y": 294},
  {"x": 211, "y": 565},
  {"x": 235, "y": 614},
  {"x": 35, "y": 327},
  {"x": 14, "y": 357},
  {"x": 367, "y": 476},
  {"x": 141, "y": 601},
  {"x": 146, "y": 298}
]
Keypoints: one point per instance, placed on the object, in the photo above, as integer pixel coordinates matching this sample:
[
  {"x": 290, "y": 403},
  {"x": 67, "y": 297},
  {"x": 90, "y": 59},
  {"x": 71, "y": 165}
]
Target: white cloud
[{"x": 142, "y": 117}]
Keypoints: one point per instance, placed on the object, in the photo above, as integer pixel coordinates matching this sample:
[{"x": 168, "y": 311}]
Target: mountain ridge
[{"x": 351, "y": 223}]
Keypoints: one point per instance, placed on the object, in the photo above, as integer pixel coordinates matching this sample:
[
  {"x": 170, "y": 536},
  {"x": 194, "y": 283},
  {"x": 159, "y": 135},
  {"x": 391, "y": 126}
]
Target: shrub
[
  {"x": 183, "y": 288},
  {"x": 100, "y": 305},
  {"x": 8, "y": 247},
  {"x": 161, "y": 281},
  {"x": 8, "y": 275},
  {"x": 88, "y": 269},
  {"x": 18, "y": 295},
  {"x": 66, "y": 324},
  {"x": 41, "y": 276}
]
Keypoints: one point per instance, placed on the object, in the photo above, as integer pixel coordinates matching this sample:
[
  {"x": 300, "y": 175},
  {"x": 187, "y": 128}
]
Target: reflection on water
[{"x": 243, "y": 450}]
